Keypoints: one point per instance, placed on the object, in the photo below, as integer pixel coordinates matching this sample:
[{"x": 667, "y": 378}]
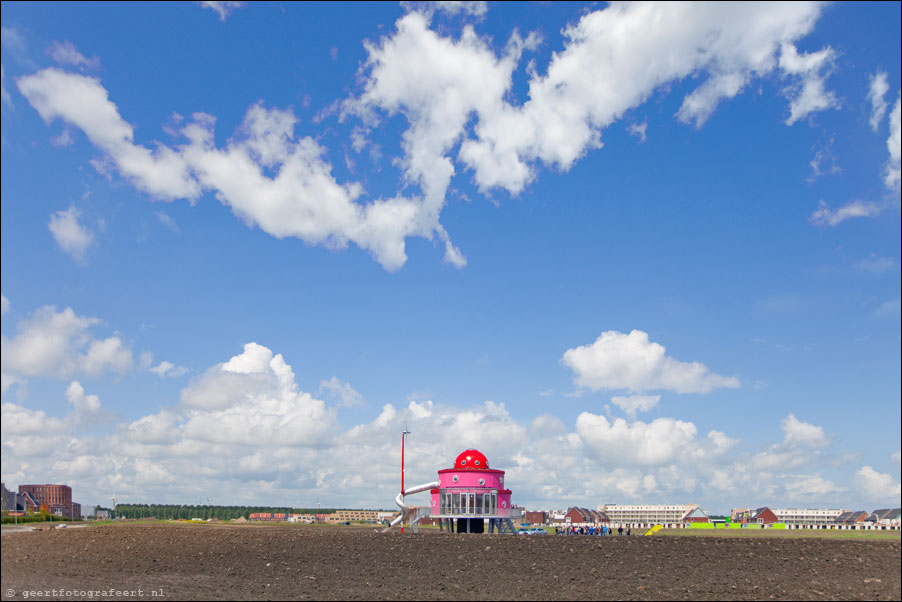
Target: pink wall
[{"x": 494, "y": 479}]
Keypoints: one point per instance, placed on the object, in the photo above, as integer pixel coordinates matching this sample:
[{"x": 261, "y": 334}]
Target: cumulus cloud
[
  {"x": 302, "y": 199},
  {"x": 878, "y": 486},
  {"x": 810, "y": 486},
  {"x": 632, "y": 362},
  {"x": 803, "y": 433},
  {"x": 81, "y": 401},
  {"x": 612, "y": 61},
  {"x": 69, "y": 234},
  {"x": 244, "y": 427},
  {"x": 342, "y": 391},
  {"x": 83, "y": 102},
  {"x": 454, "y": 93},
  {"x": 663, "y": 441},
  {"x": 253, "y": 400},
  {"x": 168, "y": 370},
  {"x": 635, "y": 403},
  {"x": 59, "y": 344},
  {"x": 800, "y": 446},
  {"x": 30, "y": 434}
]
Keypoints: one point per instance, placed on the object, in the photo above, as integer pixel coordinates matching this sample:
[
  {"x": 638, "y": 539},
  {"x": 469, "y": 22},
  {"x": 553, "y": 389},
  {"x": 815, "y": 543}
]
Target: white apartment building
[
  {"x": 806, "y": 516},
  {"x": 645, "y": 514}
]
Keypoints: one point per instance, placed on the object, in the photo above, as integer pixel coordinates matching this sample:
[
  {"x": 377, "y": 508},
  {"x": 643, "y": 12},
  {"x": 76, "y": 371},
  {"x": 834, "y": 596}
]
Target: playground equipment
[
  {"x": 654, "y": 530},
  {"x": 466, "y": 496}
]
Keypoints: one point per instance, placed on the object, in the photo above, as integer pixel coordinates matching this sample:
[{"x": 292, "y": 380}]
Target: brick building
[
  {"x": 57, "y": 499},
  {"x": 585, "y": 516},
  {"x": 535, "y": 517}
]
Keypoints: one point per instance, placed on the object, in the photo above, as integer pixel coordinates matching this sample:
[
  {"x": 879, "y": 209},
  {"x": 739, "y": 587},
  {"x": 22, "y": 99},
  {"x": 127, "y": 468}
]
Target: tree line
[{"x": 204, "y": 512}]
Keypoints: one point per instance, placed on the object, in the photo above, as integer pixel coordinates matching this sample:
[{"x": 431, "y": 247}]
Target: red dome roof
[{"x": 471, "y": 459}]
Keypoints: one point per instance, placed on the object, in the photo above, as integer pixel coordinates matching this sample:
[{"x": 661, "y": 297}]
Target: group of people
[{"x": 601, "y": 530}]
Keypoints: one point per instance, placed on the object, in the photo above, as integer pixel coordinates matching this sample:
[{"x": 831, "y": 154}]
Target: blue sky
[{"x": 633, "y": 253}]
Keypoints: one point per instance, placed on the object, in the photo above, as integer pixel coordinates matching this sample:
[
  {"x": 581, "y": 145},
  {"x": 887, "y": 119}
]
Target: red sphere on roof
[{"x": 471, "y": 459}]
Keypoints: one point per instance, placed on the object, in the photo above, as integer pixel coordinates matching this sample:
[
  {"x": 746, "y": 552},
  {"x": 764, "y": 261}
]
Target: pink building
[{"x": 470, "y": 492}]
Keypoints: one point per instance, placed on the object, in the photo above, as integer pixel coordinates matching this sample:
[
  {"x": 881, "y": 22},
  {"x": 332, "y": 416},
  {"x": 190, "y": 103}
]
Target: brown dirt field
[{"x": 194, "y": 562}]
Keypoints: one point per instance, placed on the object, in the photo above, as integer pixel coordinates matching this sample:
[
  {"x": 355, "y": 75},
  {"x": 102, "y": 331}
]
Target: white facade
[
  {"x": 645, "y": 514},
  {"x": 806, "y": 516}
]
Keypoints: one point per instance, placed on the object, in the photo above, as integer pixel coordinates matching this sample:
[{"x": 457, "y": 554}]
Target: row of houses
[
  {"x": 818, "y": 517},
  {"x": 684, "y": 514},
  {"x": 339, "y": 516}
]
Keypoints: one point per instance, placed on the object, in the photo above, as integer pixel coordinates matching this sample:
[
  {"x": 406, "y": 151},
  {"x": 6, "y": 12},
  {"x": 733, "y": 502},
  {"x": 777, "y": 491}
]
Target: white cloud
[
  {"x": 824, "y": 162},
  {"x": 875, "y": 264},
  {"x": 888, "y": 309},
  {"x": 803, "y": 433},
  {"x": 476, "y": 8},
  {"x": 4, "y": 305},
  {"x": 4, "y": 93},
  {"x": 825, "y": 216},
  {"x": 613, "y": 60},
  {"x": 81, "y": 401},
  {"x": 301, "y": 200},
  {"x": 59, "y": 344},
  {"x": 661, "y": 442},
  {"x": 632, "y": 362},
  {"x": 69, "y": 234},
  {"x": 253, "y": 400},
  {"x": 893, "y": 169},
  {"x": 639, "y": 130},
  {"x": 168, "y": 370},
  {"x": 267, "y": 436},
  {"x": 877, "y": 90},
  {"x": 810, "y": 486},
  {"x": 342, "y": 391},
  {"x": 82, "y": 101},
  {"x": 878, "y": 486},
  {"x": 12, "y": 39},
  {"x": 108, "y": 354},
  {"x": 636, "y": 403},
  {"x": 223, "y": 8},
  {"x": 809, "y": 95},
  {"x": 30, "y": 434},
  {"x": 65, "y": 53},
  {"x": 800, "y": 446},
  {"x": 165, "y": 219}
]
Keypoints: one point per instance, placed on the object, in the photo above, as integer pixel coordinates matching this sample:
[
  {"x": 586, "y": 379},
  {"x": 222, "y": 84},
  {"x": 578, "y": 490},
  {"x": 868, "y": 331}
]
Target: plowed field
[{"x": 195, "y": 562}]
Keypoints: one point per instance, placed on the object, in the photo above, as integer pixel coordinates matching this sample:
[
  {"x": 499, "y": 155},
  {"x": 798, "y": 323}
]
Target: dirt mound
[{"x": 193, "y": 562}]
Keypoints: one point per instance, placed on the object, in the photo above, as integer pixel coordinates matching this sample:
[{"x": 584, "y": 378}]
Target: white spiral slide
[{"x": 399, "y": 500}]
